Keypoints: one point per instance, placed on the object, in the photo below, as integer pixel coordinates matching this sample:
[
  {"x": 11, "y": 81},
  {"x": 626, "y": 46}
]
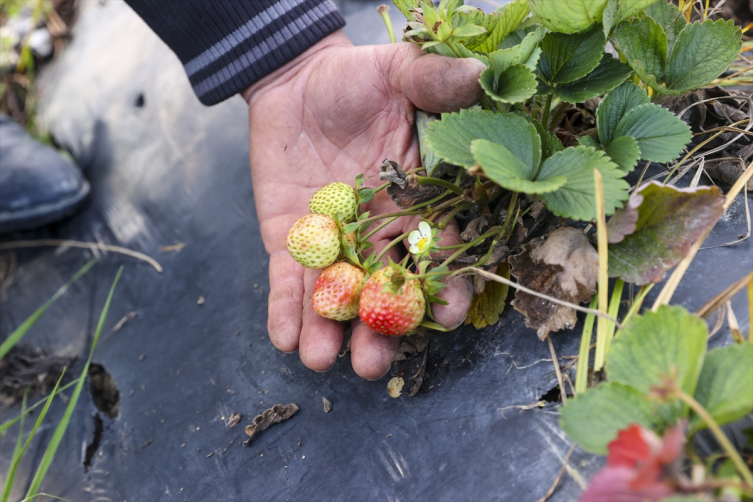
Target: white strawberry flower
[{"x": 420, "y": 240}]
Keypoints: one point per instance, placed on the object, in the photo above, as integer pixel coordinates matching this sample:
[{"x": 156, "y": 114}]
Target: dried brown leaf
[
  {"x": 327, "y": 405},
  {"x": 401, "y": 191},
  {"x": 563, "y": 265},
  {"x": 271, "y": 416},
  {"x": 234, "y": 419},
  {"x": 623, "y": 221}
]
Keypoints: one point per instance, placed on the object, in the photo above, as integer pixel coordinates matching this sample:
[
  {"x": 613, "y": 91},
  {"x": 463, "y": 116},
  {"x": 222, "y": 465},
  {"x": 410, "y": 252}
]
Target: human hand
[{"x": 335, "y": 112}]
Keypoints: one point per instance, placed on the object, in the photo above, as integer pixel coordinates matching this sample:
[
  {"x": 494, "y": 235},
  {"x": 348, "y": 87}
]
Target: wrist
[{"x": 292, "y": 68}]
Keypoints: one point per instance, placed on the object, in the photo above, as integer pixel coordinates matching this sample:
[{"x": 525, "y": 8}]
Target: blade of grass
[
  {"x": 636, "y": 306},
  {"x": 19, "y": 332},
  {"x": 750, "y": 309},
  {"x": 7, "y": 425},
  {"x": 17, "y": 458},
  {"x": 16, "y": 451},
  {"x": 581, "y": 375},
  {"x": 601, "y": 235},
  {"x": 674, "y": 280},
  {"x": 614, "y": 309},
  {"x": 52, "y": 447}
]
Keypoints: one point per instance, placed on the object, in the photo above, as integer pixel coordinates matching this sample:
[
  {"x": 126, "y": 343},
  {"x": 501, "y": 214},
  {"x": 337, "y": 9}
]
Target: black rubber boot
[{"x": 37, "y": 185}]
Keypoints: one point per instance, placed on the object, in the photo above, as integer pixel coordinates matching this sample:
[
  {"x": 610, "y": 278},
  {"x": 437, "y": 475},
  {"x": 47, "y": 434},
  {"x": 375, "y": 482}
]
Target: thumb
[{"x": 439, "y": 84}]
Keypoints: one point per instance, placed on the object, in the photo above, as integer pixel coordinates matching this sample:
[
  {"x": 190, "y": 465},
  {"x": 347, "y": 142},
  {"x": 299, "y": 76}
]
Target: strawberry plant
[{"x": 576, "y": 96}]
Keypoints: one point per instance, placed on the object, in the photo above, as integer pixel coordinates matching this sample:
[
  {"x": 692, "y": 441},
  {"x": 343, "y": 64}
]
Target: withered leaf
[
  {"x": 273, "y": 415},
  {"x": 490, "y": 303},
  {"x": 401, "y": 191},
  {"x": 327, "y": 405},
  {"x": 669, "y": 220},
  {"x": 233, "y": 420},
  {"x": 623, "y": 221},
  {"x": 563, "y": 265}
]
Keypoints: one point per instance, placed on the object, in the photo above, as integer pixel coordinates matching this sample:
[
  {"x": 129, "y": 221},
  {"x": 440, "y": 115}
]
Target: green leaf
[
  {"x": 593, "y": 418},
  {"x": 589, "y": 141},
  {"x": 514, "y": 84},
  {"x": 660, "y": 134},
  {"x": 517, "y": 36},
  {"x": 566, "y": 58},
  {"x": 575, "y": 199},
  {"x": 670, "y": 18},
  {"x": 518, "y": 54},
  {"x": 25, "y": 326},
  {"x": 507, "y": 170},
  {"x": 509, "y": 17},
  {"x": 725, "y": 387},
  {"x": 703, "y": 51},
  {"x": 428, "y": 159},
  {"x": 365, "y": 195},
  {"x": 468, "y": 30},
  {"x": 644, "y": 44},
  {"x": 490, "y": 303},
  {"x": 624, "y": 152},
  {"x": 666, "y": 222},
  {"x": 615, "y": 105},
  {"x": 550, "y": 143},
  {"x": 451, "y": 137},
  {"x": 609, "y": 74},
  {"x": 568, "y": 16},
  {"x": 405, "y": 6},
  {"x": 617, "y": 11},
  {"x": 670, "y": 342}
]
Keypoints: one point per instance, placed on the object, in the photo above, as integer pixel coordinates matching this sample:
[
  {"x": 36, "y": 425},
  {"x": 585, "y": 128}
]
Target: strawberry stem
[
  {"x": 426, "y": 180},
  {"x": 392, "y": 243}
]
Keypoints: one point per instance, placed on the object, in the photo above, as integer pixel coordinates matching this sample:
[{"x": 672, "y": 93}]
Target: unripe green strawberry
[
  {"x": 314, "y": 241},
  {"x": 337, "y": 290},
  {"x": 336, "y": 199},
  {"x": 391, "y": 304}
]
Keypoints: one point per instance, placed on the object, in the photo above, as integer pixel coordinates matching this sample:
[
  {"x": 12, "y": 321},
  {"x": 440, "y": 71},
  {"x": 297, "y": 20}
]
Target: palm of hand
[{"x": 334, "y": 115}]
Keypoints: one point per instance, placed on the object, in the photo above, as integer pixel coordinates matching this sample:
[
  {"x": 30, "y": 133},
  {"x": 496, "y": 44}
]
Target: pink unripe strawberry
[
  {"x": 314, "y": 241},
  {"x": 336, "y": 199},
  {"x": 337, "y": 291},
  {"x": 391, "y": 303}
]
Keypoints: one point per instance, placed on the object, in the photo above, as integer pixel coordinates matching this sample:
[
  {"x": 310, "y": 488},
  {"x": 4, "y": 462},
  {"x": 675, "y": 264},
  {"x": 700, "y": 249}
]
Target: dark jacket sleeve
[{"x": 227, "y": 45}]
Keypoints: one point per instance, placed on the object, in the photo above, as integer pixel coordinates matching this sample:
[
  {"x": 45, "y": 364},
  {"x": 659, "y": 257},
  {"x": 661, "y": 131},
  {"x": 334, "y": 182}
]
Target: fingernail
[{"x": 380, "y": 376}]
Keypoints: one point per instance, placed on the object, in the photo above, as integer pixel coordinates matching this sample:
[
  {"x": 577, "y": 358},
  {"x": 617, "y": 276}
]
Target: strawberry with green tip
[
  {"x": 392, "y": 303},
  {"x": 335, "y": 200},
  {"x": 337, "y": 291},
  {"x": 314, "y": 241}
]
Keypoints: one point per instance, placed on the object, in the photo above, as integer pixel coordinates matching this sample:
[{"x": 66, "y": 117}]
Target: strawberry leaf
[
  {"x": 644, "y": 44},
  {"x": 487, "y": 306},
  {"x": 365, "y": 195},
  {"x": 593, "y": 418},
  {"x": 568, "y": 16},
  {"x": 660, "y": 134},
  {"x": 566, "y": 58},
  {"x": 668, "y": 221},
  {"x": 507, "y": 170},
  {"x": 575, "y": 199},
  {"x": 451, "y": 137},
  {"x": 670, "y": 18},
  {"x": 624, "y": 152},
  {"x": 702, "y": 52},
  {"x": 514, "y": 84},
  {"x": 615, "y": 105},
  {"x": 619, "y": 10},
  {"x": 526, "y": 52},
  {"x": 725, "y": 387},
  {"x": 609, "y": 74}
]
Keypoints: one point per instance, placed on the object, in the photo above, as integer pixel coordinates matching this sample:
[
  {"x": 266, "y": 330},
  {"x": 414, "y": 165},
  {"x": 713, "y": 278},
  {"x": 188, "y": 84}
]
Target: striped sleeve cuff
[{"x": 227, "y": 45}]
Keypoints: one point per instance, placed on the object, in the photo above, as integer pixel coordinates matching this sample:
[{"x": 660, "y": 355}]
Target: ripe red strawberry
[
  {"x": 337, "y": 291},
  {"x": 314, "y": 241},
  {"x": 391, "y": 303}
]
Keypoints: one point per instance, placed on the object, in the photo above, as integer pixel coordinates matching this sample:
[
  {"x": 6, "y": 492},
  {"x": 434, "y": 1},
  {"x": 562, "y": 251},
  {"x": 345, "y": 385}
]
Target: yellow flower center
[{"x": 422, "y": 244}]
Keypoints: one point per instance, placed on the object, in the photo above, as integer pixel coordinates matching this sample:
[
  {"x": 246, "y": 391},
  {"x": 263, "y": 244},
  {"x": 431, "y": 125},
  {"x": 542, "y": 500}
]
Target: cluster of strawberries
[{"x": 389, "y": 300}]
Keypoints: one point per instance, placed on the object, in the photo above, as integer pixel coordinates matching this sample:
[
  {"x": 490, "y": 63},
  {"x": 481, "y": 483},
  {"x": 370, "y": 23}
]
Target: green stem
[
  {"x": 734, "y": 455},
  {"x": 547, "y": 107},
  {"x": 378, "y": 228},
  {"x": 425, "y": 180},
  {"x": 382, "y": 186},
  {"x": 581, "y": 375},
  {"x": 383, "y": 11},
  {"x": 392, "y": 244},
  {"x": 510, "y": 211},
  {"x": 559, "y": 112},
  {"x": 451, "y": 215},
  {"x": 603, "y": 291},
  {"x": 494, "y": 231}
]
